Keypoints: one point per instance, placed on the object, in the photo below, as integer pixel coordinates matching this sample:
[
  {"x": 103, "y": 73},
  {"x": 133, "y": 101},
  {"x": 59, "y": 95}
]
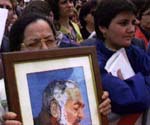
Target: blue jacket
[
  {"x": 148, "y": 49},
  {"x": 131, "y": 95}
]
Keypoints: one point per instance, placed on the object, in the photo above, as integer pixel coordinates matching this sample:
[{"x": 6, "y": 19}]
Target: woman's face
[
  {"x": 89, "y": 19},
  {"x": 145, "y": 21},
  {"x": 65, "y": 8},
  {"x": 38, "y": 35},
  {"x": 120, "y": 31},
  {"x": 12, "y": 17}
]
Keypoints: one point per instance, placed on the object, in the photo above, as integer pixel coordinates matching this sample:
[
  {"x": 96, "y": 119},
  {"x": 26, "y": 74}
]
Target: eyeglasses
[
  {"x": 37, "y": 43},
  {"x": 6, "y": 7}
]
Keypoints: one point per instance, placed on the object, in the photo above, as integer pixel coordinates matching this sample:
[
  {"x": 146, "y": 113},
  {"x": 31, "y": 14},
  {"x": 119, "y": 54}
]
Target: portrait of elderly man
[{"x": 62, "y": 104}]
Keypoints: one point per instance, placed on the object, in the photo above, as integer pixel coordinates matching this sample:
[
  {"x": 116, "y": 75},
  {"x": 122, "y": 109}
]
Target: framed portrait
[{"x": 52, "y": 87}]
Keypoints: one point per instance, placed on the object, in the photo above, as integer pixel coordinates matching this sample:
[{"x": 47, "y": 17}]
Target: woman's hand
[
  {"x": 119, "y": 74},
  {"x": 9, "y": 119},
  {"x": 105, "y": 106}
]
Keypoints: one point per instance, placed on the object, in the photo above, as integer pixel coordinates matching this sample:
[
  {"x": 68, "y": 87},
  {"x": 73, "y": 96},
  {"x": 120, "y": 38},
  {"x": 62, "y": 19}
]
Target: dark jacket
[
  {"x": 148, "y": 49},
  {"x": 5, "y": 44}
]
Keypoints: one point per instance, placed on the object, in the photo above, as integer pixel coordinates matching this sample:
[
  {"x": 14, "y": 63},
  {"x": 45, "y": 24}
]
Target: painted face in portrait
[
  {"x": 38, "y": 35},
  {"x": 120, "y": 31},
  {"x": 74, "y": 107},
  {"x": 71, "y": 103}
]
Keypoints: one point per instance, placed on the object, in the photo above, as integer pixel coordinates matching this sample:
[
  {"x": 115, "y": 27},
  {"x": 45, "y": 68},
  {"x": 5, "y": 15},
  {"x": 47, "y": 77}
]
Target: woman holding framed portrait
[{"x": 46, "y": 39}]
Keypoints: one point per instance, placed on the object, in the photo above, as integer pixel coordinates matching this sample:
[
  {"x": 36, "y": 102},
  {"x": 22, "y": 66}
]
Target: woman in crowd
[
  {"x": 31, "y": 30},
  {"x": 143, "y": 15},
  {"x": 115, "y": 27},
  {"x": 62, "y": 10},
  {"x": 86, "y": 17},
  {"x": 11, "y": 18},
  {"x": 35, "y": 32},
  {"x": 41, "y": 7}
]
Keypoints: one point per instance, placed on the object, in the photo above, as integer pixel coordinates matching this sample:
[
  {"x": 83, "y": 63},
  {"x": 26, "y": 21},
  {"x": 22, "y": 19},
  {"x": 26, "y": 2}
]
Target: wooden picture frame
[{"x": 28, "y": 73}]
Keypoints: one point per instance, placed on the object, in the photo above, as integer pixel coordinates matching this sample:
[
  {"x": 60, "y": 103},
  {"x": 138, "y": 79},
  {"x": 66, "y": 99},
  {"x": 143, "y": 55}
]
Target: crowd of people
[{"x": 109, "y": 25}]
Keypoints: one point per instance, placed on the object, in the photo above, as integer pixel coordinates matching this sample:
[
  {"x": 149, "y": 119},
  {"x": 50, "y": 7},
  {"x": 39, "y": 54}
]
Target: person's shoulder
[
  {"x": 134, "y": 47},
  {"x": 139, "y": 43},
  {"x": 66, "y": 45},
  {"x": 135, "y": 51},
  {"x": 89, "y": 42}
]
